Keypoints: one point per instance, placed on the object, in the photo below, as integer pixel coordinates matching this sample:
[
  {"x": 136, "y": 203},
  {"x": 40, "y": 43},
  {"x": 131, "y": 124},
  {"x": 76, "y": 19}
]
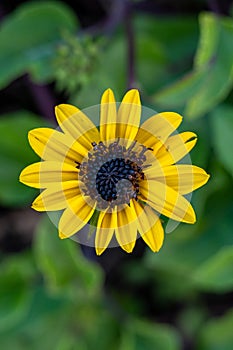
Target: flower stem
[
  {"x": 214, "y": 6},
  {"x": 130, "y": 49},
  {"x": 44, "y": 99}
]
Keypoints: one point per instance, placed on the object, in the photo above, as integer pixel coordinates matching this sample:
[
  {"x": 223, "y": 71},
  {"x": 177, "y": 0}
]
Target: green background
[{"x": 57, "y": 295}]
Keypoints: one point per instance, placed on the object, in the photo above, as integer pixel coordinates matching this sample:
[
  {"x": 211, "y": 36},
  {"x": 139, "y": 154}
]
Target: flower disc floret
[{"x": 112, "y": 172}]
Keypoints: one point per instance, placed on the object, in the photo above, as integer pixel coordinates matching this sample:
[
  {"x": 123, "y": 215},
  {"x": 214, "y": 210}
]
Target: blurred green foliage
[
  {"x": 15, "y": 154},
  {"x": 75, "y": 62},
  {"x": 51, "y": 296},
  {"x": 23, "y": 52},
  {"x": 211, "y": 79}
]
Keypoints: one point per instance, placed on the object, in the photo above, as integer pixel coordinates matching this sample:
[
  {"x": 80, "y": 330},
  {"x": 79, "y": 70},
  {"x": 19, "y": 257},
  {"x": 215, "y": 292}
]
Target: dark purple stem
[
  {"x": 214, "y": 6},
  {"x": 131, "y": 49},
  {"x": 2, "y": 12},
  {"x": 44, "y": 100},
  {"x": 120, "y": 12},
  {"x": 117, "y": 13}
]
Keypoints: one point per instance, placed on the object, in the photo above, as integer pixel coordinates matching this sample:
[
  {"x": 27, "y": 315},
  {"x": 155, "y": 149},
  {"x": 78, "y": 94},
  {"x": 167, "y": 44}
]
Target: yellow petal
[
  {"x": 167, "y": 201},
  {"x": 65, "y": 111},
  {"x": 129, "y": 114},
  {"x": 107, "y": 223},
  {"x": 78, "y": 125},
  {"x": 57, "y": 197},
  {"x": 155, "y": 235},
  {"x": 155, "y": 130},
  {"x": 144, "y": 220},
  {"x": 148, "y": 225},
  {"x": 75, "y": 217},
  {"x": 44, "y": 174},
  {"x": 176, "y": 147},
  {"x": 126, "y": 230},
  {"x": 53, "y": 145},
  {"x": 154, "y": 171},
  {"x": 182, "y": 178},
  {"x": 108, "y": 116}
]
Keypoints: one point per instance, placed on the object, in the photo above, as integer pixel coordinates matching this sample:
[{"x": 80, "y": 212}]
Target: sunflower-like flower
[{"x": 123, "y": 174}]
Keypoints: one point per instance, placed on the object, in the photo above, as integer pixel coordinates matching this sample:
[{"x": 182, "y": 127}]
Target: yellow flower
[{"x": 127, "y": 174}]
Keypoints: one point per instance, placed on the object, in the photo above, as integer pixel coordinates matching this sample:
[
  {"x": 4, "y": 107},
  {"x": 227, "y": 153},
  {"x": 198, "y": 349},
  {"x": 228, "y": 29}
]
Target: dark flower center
[{"x": 111, "y": 174}]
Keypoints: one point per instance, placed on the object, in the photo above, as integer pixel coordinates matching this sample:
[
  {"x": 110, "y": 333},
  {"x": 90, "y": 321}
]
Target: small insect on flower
[{"x": 127, "y": 173}]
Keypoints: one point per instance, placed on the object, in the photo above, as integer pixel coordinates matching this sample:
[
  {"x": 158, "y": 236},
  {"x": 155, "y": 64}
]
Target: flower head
[{"x": 121, "y": 173}]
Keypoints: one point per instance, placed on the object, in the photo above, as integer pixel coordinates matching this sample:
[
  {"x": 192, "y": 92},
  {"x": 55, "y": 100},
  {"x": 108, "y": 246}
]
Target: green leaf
[
  {"x": 20, "y": 50},
  {"x": 222, "y": 124},
  {"x": 209, "y": 38},
  {"x": 100, "y": 327},
  {"x": 16, "y": 153},
  {"x": 197, "y": 314},
  {"x": 189, "y": 247},
  {"x": 177, "y": 94},
  {"x": 63, "y": 324},
  {"x": 212, "y": 78},
  {"x": 15, "y": 291},
  {"x": 143, "y": 335},
  {"x": 217, "y": 334},
  {"x": 47, "y": 319},
  {"x": 159, "y": 45},
  {"x": 216, "y": 274},
  {"x": 63, "y": 265},
  {"x": 200, "y": 154}
]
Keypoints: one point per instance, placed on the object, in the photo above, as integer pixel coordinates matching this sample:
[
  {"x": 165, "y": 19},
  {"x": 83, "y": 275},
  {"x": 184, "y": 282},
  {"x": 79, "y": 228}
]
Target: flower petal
[
  {"x": 128, "y": 116},
  {"x": 64, "y": 112},
  {"x": 56, "y": 197},
  {"x": 149, "y": 225},
  {"x": 155, "y": 235},
  {"x": 44, "y": 174},
  {"x": 53, "y": 145},
  {"x": 75, "y": 217},
  {"x": 77, "y": 124},
  {"x": 167, "y": 201},
  {"x": 155, "y": 130},
  {"x": 144, "y": 221},
  {"x": 108, "y": 116},
  {"x": 126, "y": 230},
  {"x": 107, "y": 223},
  {"x": 182, "y": 178},
  {"x": 176, "y": 147}
]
